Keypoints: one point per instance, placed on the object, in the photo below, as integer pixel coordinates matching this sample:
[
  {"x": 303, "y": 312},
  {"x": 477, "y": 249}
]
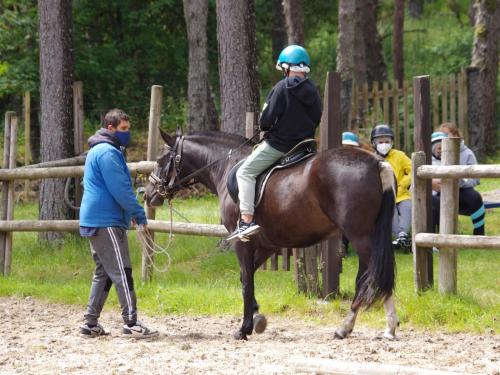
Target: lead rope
[{"x": 150, "y": 247}]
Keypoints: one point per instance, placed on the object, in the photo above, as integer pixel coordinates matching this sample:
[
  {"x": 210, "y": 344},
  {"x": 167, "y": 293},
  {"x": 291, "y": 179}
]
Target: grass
[{"x": 203, "y": 279}]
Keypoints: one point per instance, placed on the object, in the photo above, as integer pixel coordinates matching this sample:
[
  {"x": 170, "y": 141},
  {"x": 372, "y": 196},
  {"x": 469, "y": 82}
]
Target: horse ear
[{"x": 167, "y": 138}]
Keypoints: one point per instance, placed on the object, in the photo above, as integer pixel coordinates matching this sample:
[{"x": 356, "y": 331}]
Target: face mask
[
  {"x": 123, "y": 137},
  {"x": 384, "y": 148}
]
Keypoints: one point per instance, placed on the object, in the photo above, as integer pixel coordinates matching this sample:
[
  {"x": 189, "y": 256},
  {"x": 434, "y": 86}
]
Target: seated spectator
[
  {"x": 350, "y": 139},
  {"x": 470, "y": 202},
  {"x": 382, "y": 138}
]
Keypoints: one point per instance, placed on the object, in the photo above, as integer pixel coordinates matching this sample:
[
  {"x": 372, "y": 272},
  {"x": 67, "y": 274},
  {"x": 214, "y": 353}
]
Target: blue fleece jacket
[{"x": 108, "y": 198}]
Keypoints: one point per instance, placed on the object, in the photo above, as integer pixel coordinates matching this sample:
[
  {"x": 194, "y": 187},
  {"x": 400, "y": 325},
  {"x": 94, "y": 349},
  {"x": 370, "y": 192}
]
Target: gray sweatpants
[
  {"x": 261, "y": 158},
  {"x": 401, "y": 221},
  {"x": 110, "y": 251}
]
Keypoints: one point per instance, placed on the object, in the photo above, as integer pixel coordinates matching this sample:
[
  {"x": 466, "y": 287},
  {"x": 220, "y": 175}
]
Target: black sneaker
[
  {"x": 94, "y": 331},
  {"x": 243, "y": 231},
  {"x": 138, "y": 331},
  {"x": 403, "y": 242}
]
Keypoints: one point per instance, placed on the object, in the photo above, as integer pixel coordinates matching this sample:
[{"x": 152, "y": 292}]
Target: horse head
[{"x": 163, "y": 180}]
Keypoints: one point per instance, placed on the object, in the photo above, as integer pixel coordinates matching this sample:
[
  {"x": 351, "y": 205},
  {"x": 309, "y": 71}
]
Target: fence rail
[
  {"x": 194, "y": 229},
  {"x": 454, "y": 240},
  {"x": 142, "y": 167},
  {"x": 459, "y": 171}
]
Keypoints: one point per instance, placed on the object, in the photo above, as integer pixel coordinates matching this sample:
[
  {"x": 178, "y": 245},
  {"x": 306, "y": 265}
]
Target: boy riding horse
[{"x": 291, "y": 113}]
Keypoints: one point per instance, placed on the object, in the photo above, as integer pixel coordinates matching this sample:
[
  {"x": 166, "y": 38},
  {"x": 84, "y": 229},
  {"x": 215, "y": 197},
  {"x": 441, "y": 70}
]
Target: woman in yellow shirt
[{"x": 382, "y": 138}]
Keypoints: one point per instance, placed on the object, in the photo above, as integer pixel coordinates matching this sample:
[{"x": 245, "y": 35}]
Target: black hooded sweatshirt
[{"x": 291, "y": 113}]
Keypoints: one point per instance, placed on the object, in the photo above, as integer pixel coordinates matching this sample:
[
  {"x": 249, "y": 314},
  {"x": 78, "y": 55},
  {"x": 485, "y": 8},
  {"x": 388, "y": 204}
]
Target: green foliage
[
  {"x": 122, "y": 47},
  {"x": 18, "y": 47}
]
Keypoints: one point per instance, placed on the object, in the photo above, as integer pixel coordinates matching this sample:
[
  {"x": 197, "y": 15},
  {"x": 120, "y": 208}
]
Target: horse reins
[{"x": 167, "y": 190}]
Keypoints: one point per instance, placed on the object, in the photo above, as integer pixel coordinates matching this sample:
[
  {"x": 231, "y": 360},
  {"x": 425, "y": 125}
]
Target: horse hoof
[
  {"x": 238, "y": 335},
  {"x": 341, "y": 333},
  {"x": 259, "y": 323},
  {"x": 389, "y": 335}
]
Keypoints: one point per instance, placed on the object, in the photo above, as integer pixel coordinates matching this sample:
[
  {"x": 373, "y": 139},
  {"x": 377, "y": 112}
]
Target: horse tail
[{"x": 379, "y": 279}]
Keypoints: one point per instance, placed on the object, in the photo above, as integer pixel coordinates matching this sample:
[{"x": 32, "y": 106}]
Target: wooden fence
[
  {"x": 390, "y": 103},
  {"x": 446, "y": 240}
]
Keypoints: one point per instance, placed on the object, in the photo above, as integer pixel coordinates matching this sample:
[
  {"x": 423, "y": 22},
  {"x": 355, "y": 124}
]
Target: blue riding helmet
[
  {"x": 349, "y": 138},
  {"x": 438, "y": 137},
  {"x": 295, "y": 58}
]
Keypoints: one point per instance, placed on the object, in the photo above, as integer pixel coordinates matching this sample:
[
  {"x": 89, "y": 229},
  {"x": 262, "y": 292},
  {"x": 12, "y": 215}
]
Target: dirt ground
[{"x": 41, "y": 338}]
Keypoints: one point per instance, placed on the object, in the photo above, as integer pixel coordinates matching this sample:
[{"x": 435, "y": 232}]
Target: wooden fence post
[
  {"x": 153, "y": 137},
  {"x": 251, "y": 124},
  {"x": 27, "y": 138},
  {"x": 418, "y": 222},
  {"x": 78, "y": 133},
  {"x": 406, "y": 118},
  {"x": 448, "y": 220},
  {"x": 10, "y": 192},
  {"x": 395, "y": 115},
  {"x": 331, "y": 137},
  {"x": 462, "y": 105},
  {"x": 453, "y": 98},
  {"x": 5, "y": 187},
  {"x": 422, "y": 142}
]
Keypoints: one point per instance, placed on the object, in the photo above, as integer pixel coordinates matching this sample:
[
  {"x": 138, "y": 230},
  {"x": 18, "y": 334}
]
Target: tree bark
[
  {"x": 279, "y": 36},
  {"x": 239, "y": 85},
  {"x": 376, "y": 69},
  {"x": 294, "y": 21},
  {"x": 397, "y": 41},
  {"x": 416, "y": 8},
  {"x": 345, "y": 56},
  {"x": 195, "y": 14},
  {"x": 56, "y": 95},
  {"x": 483, "y": 135}
]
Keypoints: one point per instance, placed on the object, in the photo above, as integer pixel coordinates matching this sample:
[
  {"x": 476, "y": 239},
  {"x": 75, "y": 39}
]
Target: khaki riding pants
[{"x": 261, "y": 158}]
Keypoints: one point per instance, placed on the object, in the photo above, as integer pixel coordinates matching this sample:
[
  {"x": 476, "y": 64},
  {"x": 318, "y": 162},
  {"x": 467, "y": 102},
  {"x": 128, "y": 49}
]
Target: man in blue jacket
[
  {"x": 108, "y": 207},
  {"x": 291, "y": 114}
]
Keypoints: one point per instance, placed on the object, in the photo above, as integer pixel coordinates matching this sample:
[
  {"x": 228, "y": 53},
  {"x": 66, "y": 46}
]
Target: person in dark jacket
[
  {"x": 108, "y": 206},
  {"x": 291, "y": 113}
]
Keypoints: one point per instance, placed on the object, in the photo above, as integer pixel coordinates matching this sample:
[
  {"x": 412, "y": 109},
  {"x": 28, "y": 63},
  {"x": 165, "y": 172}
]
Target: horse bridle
[
  {"x": 165, "y": 189},
  {"x": 162, "y": 187}
]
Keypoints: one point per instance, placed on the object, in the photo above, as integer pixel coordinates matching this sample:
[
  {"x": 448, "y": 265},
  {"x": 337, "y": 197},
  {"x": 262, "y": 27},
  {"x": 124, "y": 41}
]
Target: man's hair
[{"x": 114, "y": 117}]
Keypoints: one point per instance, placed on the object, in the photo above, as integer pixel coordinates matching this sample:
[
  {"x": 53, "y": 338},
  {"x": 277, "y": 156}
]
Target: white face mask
[{"x": 384, "y": 148}]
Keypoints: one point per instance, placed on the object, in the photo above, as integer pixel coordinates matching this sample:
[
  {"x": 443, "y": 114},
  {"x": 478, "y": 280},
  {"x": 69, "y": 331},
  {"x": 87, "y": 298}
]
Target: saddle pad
[{"x": 260, "y": 185}]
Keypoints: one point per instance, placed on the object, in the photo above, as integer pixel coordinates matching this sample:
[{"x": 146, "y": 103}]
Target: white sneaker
[{"x": 138, "y": 331}]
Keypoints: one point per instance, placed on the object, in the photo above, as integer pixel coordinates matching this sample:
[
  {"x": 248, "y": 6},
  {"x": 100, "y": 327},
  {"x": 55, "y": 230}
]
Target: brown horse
[{"x": 345, "y": 189}]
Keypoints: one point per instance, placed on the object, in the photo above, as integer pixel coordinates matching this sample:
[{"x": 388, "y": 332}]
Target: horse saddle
[{"x": 298, "y": 153}]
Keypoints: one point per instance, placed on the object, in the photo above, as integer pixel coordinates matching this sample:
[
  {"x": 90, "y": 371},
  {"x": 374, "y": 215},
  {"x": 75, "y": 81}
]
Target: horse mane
[{"x": 219, "y": 136}]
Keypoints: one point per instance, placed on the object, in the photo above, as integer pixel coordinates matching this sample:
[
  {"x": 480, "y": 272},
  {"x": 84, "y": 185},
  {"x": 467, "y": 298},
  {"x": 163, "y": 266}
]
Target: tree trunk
[
  {"x": 345, "y": 56},
  {"x": 56, "y": 95},
  {"x": 278, "y": 31},
  {"x": 376, "y": 69},
  {"x": 359, "y": 73},
  {"x": 416, "y": 8},
  {"x": 397, "y": 41},
  {"x": 195, "y": 14},
  {"x": 239, "y": 85},
  {"x": 294, "y": 21},
  {"x": 485, "y": 53}
]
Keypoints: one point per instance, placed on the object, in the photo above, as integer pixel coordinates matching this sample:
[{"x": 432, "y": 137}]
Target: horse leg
[
  {"x": 348, "y": 324},
  {"x": 391, "y": 317},
  {"x": 245, "y": 254},
  {"x": 362, "y": 247}
]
